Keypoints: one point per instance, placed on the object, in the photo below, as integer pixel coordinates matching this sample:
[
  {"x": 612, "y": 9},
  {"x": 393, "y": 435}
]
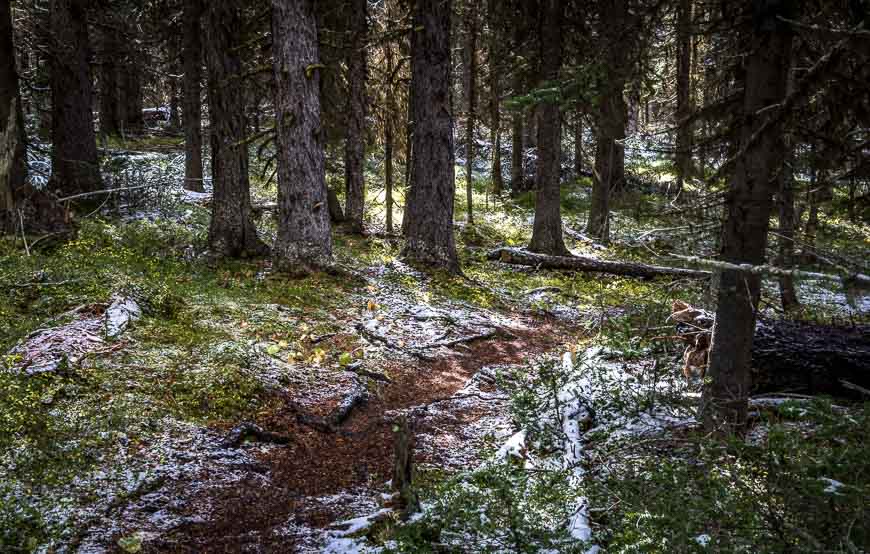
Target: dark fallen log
[
  {"x": 788, "y": 356},
  {"x": 516, "y": 256},
  {"x": 247, "y": 430},
  {"x": 356, "y": 397}
]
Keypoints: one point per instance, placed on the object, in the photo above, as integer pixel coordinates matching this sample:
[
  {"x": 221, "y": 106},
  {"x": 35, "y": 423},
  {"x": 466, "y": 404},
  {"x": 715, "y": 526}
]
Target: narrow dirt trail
[{"x": 266, "y": 515}]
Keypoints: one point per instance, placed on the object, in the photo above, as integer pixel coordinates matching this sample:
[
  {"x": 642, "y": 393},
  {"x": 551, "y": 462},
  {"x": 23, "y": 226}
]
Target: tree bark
[
  {"x": 354, "y": 146},
  {"x": 495, "y": 98},
  {"x": 232, "y": 232},
  {"x": 744, "y": 234},
  {"x": 388, "y": 141},
  {"x": 304, "y": 242},
  {"x": 547, "y": 230},
  {"x": 192, "y": 85},
  {"x": 429, "y": 207},
  {"x": 585, "y": 264},
  {"x": 518, "y": 170},
  {"x": 110, "y": 67},
  {"x": 685, "y": 131},
  {"x": 75, "y": 168},
  {"x": 471, "y": 98},
  {"x": 13, "y": 161},
  {"x": 786, "y": 236},
  {"x": 609, "y": 171},
  {"x": 578, "y": 144},
  {"x": 131, "y": 85}
]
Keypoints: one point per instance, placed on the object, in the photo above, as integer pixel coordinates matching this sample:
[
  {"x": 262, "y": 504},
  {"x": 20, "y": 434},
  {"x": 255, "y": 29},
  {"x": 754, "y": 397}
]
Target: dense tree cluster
[{"x": 742, "y": 96}]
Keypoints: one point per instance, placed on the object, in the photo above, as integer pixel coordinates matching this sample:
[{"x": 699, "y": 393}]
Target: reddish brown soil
[{"x": 320, "y": 463}]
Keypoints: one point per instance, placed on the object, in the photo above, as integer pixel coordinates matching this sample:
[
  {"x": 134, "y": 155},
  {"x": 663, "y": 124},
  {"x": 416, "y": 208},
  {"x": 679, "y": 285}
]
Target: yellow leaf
[{"x": 372, "y": 306}]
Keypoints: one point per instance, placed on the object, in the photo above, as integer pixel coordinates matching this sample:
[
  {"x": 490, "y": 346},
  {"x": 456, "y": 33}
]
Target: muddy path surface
[{"x": 323, "y": 477}]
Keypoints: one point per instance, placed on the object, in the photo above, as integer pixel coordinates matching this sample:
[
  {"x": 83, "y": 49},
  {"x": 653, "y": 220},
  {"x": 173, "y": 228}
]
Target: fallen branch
[
  {"x": 358, "y": 396},
  {"x": 460, "y": 340},
  {"x": 772, "y": 270},
  {"x": 248, "y": 430},
  {"x": 582, "y": 263},
  {"x": 99, "y": 192}
]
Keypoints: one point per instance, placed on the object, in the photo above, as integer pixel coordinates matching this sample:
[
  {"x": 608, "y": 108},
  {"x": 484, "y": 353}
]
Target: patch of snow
[
  {"x": 833, "y": 485},
  {"x": 703, "y": 539},
  {"x": 119, "y": 315}
]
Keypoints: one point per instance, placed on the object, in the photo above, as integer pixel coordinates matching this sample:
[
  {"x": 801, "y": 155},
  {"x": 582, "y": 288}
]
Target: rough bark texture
[
  {"x": 592, "y": 265},
  {"x": 304, "y": 241},
  {"x": 75, "y": 168},
  {"x": 192, "y": 115},
  {"x": 388, "y": 141},
  {"x": 547, "y": 231},
  {"x": 471, "y": 99},
  {"x": 232, "y": 232},
  {"x": 611, "y": 116},
  {"x": 13, "y": 163},
  {"x": 684, "y": 100},
  {"x": 744, "y": 233},
  {"x": 354, "y": 145},
  {"x": 518, "y": 169},
  {"x": 428, "y": 222}
]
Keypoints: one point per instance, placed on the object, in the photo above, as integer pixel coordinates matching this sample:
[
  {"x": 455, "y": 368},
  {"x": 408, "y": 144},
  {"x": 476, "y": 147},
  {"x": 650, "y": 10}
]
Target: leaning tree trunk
[
  {"x": 471, "y": 98},
  {"x": 354, "y": 146},
  {"x": 609, "y": 171},
  {"x": 232, "y": 232},
  {"x": 744, "y": 233},
  {"x": 13, "y": 163},
  {"x": 685, "y": 131},
  {"x": 547, "y": 231},
  {"x": 191, "y": 111},
  {"x": 75, "y": 168},
  {"x": 428, "y": 222},
  {"x": 304, "y": 242}
]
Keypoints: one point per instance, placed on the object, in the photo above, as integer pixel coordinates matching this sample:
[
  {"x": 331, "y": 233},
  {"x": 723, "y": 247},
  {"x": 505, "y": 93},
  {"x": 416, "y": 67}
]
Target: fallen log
[
  {"x": 247, "y": 430},
  {"x": 788, "y": 356},
  {"x": 516, "y": 256}
]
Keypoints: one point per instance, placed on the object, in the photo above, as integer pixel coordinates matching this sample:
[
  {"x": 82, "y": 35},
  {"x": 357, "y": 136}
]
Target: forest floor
[{"x": 132, "y": 359}]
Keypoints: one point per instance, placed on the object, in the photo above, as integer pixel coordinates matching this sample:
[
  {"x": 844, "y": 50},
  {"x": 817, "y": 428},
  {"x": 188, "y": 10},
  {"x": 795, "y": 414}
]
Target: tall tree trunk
[
  {"x": 744, "y": 233},
  {"x": 785, "y": 240},
  {"x": 354, "y": 145},
  {"x": 74, "y": 163},
  {"x": 304, "y": 242},
  {"x": 192, "y": 61},
  {"x": 388, "y": 140},
  {"x": 110, "y": 45},
  {"x": 547, "y": 232},
  {"x": 232, "y": 232},
  {"x": 578, "y": 144},
  {"x": 471, "y": 98},
  {"x": 609, "y": 171},
  {"x": 495, "y": 98},
  {"x": 685, "y": 131},
  {"x": 429, "y": 206},
  {"x": 13, "y": 163},
  {"x": 131, "y": 84},
  {"x": 518, "y": 170}
]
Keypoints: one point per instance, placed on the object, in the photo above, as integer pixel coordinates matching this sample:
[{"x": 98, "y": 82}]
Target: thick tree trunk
[
  {"x": 110, "y": 67},
  {"x": 685, "y": 130},
  {"x": 192, "y": 115},
  {"x": 429, "y": 207},
  {"x": 495, "y": 99},
  {"x": 232, "y": 232},
  {"x": 471, "y": 98},
  {"x": 304, "y": 242},
  {"x": 75, "y": 168},
  {"x": 744, "y": 234},
  {"x": 609, "y": 173},
  {"x": 354, "y": 146},
  {"x": 547, "y": 231},
  {"x": 593, "y": 265},
  {"x": 13, "y": 162}
]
